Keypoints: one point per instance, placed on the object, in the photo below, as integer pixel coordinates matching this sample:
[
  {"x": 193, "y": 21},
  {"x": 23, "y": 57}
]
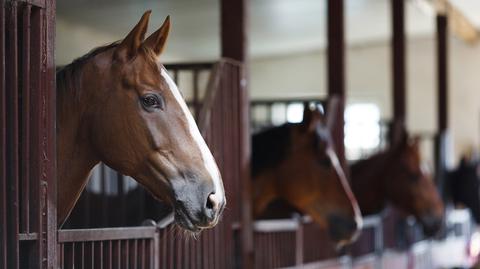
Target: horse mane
[
  {"x": 68, "y": 76},
  {"x": 382, "y": 159},
  {"x": 270, "y": 147}
]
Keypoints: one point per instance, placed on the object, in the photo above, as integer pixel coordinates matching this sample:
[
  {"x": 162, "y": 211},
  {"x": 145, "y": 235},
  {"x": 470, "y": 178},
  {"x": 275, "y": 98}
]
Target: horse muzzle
[
  {"x": 343, "y": 229},
  {"x": 431, "y": 224},
  {"x": 197, "y": 206}
]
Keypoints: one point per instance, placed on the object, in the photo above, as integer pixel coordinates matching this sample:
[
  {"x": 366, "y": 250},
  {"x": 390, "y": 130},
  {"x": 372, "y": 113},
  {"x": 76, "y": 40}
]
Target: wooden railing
[{"x": 133, "y": 247}]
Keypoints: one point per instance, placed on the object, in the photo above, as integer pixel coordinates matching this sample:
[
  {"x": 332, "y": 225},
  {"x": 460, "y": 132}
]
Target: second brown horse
[{"x": 297, "y": 163}]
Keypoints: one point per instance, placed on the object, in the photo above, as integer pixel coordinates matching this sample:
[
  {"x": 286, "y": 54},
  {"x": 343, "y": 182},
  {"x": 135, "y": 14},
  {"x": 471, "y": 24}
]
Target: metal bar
[
  {"x": 104, "y": 234},
  {"x": 48, "y": 136},
  {"x": 12, "y": 134},
  {"x": 398, "y": 60},
  {"x": 196, "y": 97},
  {"x": 336, "y": 68},
  {"x": 37, "y": 3},
  {"x": 25, "y": 119},
  {"x": 190, "y": 66},
  {"x": 110, "y": 255},
  {"x": 442, "y": 72},
  {"x": 3, "y": 144},
  {"x": 299, "y": 244}
]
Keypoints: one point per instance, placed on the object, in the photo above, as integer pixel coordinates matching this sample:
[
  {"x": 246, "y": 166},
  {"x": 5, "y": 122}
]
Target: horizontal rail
[
  {"x": 285, "y": 100},
  {"x": 189, "y": 66},
  {"x": 372, "y": 221},
  {"x": 27, "y": 236},
  {"x": 103, "y": 234}
]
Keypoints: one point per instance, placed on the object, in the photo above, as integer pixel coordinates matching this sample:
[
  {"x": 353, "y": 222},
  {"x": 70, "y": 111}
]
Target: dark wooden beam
[
  {"x": 442, "y": 72},
  {"x": 234, "y": 29},
  {"x": 234, "y": 40},
  {"x": 442, "y": 103},
  {"x": 398, "y": 60},
  {"x": 336, "y": 67}
]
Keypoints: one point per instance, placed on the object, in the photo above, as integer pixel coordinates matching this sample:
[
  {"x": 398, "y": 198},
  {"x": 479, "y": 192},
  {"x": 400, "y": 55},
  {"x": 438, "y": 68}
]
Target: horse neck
[
  {"x": 264, "y": 191},
  {"x": 368, "y": 182},
  {"x": 76, "y": 158}
]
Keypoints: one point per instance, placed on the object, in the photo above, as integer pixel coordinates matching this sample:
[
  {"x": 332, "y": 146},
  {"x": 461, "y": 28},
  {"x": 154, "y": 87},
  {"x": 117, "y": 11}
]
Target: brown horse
[
  {"x": 297, "y": 163},
  {"x": 396, "y": 176},
  {"x": 119, "y": 106}
]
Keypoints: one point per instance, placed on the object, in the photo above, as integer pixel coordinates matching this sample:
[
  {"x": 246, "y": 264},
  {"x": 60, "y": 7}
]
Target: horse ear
[
  {"x": 129, "y": 46},
  {"x": 311, "y": 117},
  {"x": 156, "y": 41}
]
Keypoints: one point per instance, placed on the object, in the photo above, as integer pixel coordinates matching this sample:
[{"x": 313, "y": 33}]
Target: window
[{"x": 362, "y": 130}]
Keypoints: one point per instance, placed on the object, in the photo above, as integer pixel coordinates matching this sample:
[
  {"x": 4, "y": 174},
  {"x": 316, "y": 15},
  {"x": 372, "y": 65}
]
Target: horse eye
[{"x": 151, "y": 102}]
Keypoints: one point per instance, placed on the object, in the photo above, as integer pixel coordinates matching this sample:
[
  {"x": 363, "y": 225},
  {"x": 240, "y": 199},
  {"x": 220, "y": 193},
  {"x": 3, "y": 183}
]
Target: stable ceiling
[{"x": 278, "y": 27}]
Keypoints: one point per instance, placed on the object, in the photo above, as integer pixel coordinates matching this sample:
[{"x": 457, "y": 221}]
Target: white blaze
[{"x": 207, "y": 156}]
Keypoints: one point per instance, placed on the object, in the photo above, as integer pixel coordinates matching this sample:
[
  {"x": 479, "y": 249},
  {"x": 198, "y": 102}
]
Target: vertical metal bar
[
  {"x": 156, "y": 250},
  {"x": 48, "y": 175},
  {"x": 442, "y": 72},
  {"x": 336, "y": 69},
  {"x": 119, "y": 253},
  {"x": 440, "y": 149},
  {"x": 398, "y": 60},
  {"x": 25, "y": 119},
  {"x": 12, "y": 134},
  {"x": 92, "y": 253},
  {"x": 73, "y": 256},
  {"x": 196, "y": 97},
  {"x": 101, "y": 255},
  {"x": 83, "y": 254},
  {"x": 175, "y": 75},
  {"x": 3, "y": 143},
  {"x": 110, "y": 255},
  {"x": 127, "y": 253},
  {"x": 143, "y": 254},
  {"x": 299, "y": 243},
  {"x": 135, "y": 253}
]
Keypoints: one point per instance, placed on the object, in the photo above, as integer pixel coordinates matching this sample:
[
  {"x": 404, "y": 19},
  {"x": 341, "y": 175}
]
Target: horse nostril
[{"x": 211, "y": 201}]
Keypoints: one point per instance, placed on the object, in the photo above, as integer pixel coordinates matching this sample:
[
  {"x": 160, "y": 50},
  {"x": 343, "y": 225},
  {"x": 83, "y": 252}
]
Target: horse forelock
[{"x": 270, "y": 147}]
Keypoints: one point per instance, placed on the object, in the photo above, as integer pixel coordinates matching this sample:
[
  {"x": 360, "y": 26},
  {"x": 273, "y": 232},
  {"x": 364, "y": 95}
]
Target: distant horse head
[
  {"x": 118, "y": 105},
  {"x": 396, "y": 176},
  {"x": 297, "y": 163},
  {"x": 464, "y": 186},
  {"x": 413, "y": 189}
]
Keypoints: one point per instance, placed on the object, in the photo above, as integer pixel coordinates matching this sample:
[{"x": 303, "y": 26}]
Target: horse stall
[
  {"x": 387, "y": 240},
  {"x": 116, "y": 223},
  {"x": 215, "y": 90},
  {"x": 97, "y": 236}
]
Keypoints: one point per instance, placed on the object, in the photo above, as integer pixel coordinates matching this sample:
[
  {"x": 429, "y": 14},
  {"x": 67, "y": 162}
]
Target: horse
[
  {"x": 118, "y": 105},
  {"x": 396, "y": 176},
  {"x": 296, "y": 162},
  {"x": 464, "y": 185}
]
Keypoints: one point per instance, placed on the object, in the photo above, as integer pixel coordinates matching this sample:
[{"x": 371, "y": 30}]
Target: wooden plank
[
  {"x": 336, "y": 69},
  {"x": 11, "y": 55},
  {"x": 49, "y": 160},
  {"x": 442, "y": 72},
  {"x": 234, "y": 40},
  {"x": 398, "y": 61},
  {"x": 3, "y": 143}
]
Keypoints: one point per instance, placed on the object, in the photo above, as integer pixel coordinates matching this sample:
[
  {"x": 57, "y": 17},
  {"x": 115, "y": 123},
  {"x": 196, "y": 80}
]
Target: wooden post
[
  {"x": 442, "y": 72},
  {"x": 234, "y": 40},
  {"x": 336, "y": 68},
  {"x": 398, "y": 61},
  {"x": 442, "y": 101}
]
